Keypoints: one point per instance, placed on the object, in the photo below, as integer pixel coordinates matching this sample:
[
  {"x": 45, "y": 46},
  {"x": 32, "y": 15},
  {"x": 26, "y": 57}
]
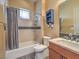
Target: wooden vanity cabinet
[
  {"x": 58, "y": 52},
  {"x": 54, "y": 55}
]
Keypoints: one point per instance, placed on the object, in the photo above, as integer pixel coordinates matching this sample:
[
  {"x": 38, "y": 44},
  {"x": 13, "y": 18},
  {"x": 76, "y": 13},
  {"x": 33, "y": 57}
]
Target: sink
[{"x": 68, "y": 44}]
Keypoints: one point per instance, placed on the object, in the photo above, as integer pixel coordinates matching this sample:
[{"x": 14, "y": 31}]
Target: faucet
[
  {"x": 70, "y": 36},
  {"x": 77, "y": 39},
  {"x": 73, "y": 38}
]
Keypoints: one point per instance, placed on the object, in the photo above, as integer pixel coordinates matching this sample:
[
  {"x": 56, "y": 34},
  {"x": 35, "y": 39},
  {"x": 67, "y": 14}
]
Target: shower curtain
[{"x": 12, "y": 22}]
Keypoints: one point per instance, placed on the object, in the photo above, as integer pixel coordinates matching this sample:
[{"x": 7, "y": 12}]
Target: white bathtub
[{"x": 25, "y": 49}]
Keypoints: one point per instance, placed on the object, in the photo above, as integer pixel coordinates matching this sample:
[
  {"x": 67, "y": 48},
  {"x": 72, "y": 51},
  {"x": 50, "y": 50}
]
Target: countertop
[{"x": 66, "y": 45}]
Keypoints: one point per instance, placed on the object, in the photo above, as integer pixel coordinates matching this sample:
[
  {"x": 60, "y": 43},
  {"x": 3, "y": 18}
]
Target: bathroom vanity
[{"x": 60, "y": 48}]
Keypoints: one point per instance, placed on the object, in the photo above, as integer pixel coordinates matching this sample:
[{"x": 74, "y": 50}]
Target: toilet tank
[{"x": 46, "y": 40}]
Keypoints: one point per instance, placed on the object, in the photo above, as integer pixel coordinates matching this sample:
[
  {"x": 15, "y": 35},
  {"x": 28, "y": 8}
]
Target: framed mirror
[{"x": 69, "y": 18}]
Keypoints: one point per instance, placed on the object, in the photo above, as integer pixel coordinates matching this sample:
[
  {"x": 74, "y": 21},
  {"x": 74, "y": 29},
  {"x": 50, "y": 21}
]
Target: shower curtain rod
[{"x": 20, "y": 8}]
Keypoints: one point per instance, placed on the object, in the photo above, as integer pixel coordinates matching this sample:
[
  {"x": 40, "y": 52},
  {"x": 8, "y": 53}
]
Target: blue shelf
[{"x": 50, "y": 16}]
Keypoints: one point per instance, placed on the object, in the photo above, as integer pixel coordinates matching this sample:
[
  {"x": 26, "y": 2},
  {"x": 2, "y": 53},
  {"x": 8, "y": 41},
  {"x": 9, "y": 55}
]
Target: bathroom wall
[
  {"x": 21, "y": 4},
  {"x": 54, "y": 32},
  {"x": 2, "y": 34},
  {"x": 24, "y": 34},
  {"x": 66, "y": 26},
  {"x": 51, "y": 4},
  {"x": 38, "y": 32}
]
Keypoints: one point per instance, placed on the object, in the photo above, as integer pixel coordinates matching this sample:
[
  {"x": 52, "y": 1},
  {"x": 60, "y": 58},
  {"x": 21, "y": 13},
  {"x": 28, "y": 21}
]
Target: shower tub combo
[
  {"x": 28, "y": 50},
  {"x": 25, "y": 51}
]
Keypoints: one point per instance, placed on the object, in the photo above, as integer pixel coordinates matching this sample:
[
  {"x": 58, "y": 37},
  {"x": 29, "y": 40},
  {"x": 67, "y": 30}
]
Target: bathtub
[{"x": 24, "y": 50}]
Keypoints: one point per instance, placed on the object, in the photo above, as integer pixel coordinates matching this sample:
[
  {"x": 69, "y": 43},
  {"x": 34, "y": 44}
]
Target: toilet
[{"x": 41, "y": 50}]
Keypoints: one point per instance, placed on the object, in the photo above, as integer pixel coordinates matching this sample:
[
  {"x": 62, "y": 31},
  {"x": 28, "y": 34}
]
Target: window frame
[{"x": 27, "y": 11}]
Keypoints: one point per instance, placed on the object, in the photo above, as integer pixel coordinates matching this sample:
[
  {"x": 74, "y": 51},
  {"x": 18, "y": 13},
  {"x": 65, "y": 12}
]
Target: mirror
[{"x": 69, "y": 17}]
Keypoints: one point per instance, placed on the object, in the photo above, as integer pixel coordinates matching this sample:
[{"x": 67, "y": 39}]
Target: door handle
[{"x": 3, "y": 24}]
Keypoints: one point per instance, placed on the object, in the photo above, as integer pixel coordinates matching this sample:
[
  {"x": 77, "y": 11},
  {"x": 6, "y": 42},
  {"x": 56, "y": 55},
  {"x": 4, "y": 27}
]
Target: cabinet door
[
  {"x": 54, "y": 55},
  {"x": 64, "y": 57}
]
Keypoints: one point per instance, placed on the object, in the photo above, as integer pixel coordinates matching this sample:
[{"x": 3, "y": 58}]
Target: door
[{"x": 2, "y": 38}]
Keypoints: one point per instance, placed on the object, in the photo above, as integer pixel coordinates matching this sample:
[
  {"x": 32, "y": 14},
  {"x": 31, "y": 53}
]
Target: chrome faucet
[
  {"x": 70, "y": 36},
  {"x": 77, "y": 39},
  {"x": 73, "y": 38}
]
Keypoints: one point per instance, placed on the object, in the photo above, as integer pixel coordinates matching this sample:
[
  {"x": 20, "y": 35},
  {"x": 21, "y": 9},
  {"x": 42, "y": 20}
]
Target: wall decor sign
[{"x": 50, "y": 18}]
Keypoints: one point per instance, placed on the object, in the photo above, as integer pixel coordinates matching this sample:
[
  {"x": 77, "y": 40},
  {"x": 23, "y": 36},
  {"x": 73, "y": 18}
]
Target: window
[{"x": 24, "y": 14}]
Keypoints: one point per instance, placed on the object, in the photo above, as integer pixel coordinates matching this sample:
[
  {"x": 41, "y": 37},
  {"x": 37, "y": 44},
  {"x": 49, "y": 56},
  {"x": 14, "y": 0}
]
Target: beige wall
[
  {"x": 66, "y": 26},
  {"x": 24, "y": 34},
  {"x": 54, "y": 32},
  {"x": 21, "y": 4},
  {"x": 2, "y": 34},
  {"x": 38, "y": 32}
]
